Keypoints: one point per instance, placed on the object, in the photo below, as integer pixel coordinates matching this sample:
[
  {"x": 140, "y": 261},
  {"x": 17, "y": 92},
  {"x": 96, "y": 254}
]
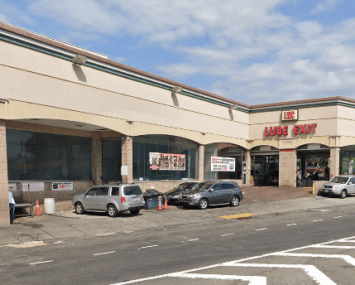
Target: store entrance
[
  {"x": 265, "y": 170},
  {"x": 312, "y": 164}
]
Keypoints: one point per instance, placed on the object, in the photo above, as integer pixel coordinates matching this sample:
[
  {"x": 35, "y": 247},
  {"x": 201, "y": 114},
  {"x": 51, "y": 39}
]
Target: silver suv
[
  {"x": 113, "y": 199},
  {"x": 213, "y": 193},
  {"x": 341, "y": 185}
]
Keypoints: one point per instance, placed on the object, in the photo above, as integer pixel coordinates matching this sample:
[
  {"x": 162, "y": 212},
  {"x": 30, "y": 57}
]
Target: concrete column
[
  {"x": 334, "y": 162},
  {"x": 201, "y": 163},
  {"x": 287, "y": 168},
  {"x": 4, "y": 186},
  {"x": 96, "y": 158},
  {"x": 127, "y": 159},
  {"x": 248, "y": 160}
]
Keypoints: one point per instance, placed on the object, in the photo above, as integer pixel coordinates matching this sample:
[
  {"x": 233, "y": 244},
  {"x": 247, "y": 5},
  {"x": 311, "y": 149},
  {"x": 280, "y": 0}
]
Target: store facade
[{"x": 71, "y": 118}]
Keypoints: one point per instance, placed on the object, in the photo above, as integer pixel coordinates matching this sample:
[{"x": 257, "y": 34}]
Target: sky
[{"x": 251, "y": 51}]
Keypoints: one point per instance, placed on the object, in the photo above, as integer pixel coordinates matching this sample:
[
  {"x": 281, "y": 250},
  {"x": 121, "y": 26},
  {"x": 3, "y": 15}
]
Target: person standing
[{"x": 12, "y": 205}]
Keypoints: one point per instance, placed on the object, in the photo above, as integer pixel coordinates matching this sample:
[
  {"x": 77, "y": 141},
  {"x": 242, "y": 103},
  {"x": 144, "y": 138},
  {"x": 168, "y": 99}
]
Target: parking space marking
[
  {"x": 147, "y": 246},
  {"x": 332, "y": 246},
  {"x": 194, "y": 239},
  {"x": 338, "y": 217},
  {"x": 103, "y": 253},
  {"x": 253, "y": 280},
  {"x": 262, "y": 229},
  {"x": 227, "y": 235},
  {"x": 320, "y": 220},
  {"x": 290, "y": 225},
  {"x": 346, "y": 258},
  {"x": 36, "y": 263}
]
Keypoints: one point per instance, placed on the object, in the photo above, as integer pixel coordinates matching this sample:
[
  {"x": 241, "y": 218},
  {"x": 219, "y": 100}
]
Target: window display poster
[
  {"x": 32, "y": 186},
  {"x": 65, "y": 186},
  {"x": 222, "y": 164},
  {"x": 347, "y": 166},
  {"x": 167, "y": 161}
]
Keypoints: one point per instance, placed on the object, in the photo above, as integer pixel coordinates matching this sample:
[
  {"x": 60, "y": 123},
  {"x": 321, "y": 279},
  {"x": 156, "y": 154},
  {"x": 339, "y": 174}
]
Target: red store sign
[{"x": 297, "y": 130}]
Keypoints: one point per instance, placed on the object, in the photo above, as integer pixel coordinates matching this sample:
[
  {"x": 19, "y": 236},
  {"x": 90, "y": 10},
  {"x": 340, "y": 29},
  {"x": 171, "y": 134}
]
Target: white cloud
[{"x": 325, "y": 5}]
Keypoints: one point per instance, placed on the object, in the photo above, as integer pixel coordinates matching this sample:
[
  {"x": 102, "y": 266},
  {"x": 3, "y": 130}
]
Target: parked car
[
  {"x": 173, "y": 196},
  {"x": 213, "y": 193},
  {"x": 341, "y": 185},
  {"x": 113, "y": 199}
]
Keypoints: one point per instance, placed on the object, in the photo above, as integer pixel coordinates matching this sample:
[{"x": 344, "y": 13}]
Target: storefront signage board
[
  {"x": 222, "y": 164},
  {"x": 12, "y": 187},
  {"x": 284, "y": 130},
  {"x": 62, "y": 186},
  {"x": 291, "y": 115},
  {"x": 167, "y": 161},
  {"x": 32, "y": 186}
]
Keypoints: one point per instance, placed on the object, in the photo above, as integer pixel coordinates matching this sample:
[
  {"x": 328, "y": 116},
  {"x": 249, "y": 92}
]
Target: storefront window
[
  {"x": 111, "y": 160},
  {"x": 347, "y": 158},
  {"x": 265, "y": 165},
  {"x": 162, "y": 157},
  {"x": 223, "y": 150},
  {"x": 41, "y": 156}
]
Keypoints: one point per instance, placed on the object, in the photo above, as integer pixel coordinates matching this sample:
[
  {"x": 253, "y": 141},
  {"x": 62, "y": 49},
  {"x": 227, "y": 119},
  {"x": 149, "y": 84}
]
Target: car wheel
[
  {"x": 79, "y": 208},
  {"x": 343, "y": 194},
  {"x": 111, "y": 210},
  {"x": 134, "y": 212},
  {"x": 203, "y": 204},
  {"x": 234, "y": 201}
]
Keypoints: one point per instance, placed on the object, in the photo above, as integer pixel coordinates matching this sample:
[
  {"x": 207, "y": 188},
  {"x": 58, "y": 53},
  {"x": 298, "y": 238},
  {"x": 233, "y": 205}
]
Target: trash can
[
  {"x": 49, "y": 205},
  {"x": 151, "y": 198}
]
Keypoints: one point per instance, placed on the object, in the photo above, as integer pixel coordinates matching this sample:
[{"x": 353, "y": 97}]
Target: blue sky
[{"x": 252, "y": 51}]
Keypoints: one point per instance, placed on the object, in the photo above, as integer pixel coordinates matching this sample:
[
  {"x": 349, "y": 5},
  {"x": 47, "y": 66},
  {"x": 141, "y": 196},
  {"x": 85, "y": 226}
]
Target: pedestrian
[
  {"x": 12, "y": 205},
  {"x": 299, "y": 177}
]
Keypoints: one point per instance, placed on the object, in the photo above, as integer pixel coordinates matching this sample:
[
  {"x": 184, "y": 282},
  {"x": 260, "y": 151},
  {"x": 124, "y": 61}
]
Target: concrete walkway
[{"x": 64, "y": 225}]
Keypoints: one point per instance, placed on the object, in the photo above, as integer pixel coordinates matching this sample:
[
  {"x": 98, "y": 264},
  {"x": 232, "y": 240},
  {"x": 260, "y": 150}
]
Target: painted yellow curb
[{"x": 238, "y": 216}]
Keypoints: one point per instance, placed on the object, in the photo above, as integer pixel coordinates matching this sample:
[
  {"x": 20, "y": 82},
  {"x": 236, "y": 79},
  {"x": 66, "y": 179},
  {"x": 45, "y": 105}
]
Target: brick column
[
  {"x": 201, "y": 163},
  {"x": 248, "y": 160},
  {"x": 4, "y": 186},
  {"x": 334, "y": 162},
  {"x": 127, "y": 159},
  {"x": 287, "y": 168},
  {"x": 96, "y": 158}
]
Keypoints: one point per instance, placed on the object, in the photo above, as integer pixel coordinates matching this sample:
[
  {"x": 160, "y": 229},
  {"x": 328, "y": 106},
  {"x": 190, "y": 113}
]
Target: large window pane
[
  {"x": 111, "y": 160},
  {"x": 41, "y": 156},
  {"x": 143, "y": 145}
]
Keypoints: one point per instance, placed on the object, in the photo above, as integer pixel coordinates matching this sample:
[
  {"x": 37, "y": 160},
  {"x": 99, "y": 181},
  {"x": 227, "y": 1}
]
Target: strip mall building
[{"x": 71, "y": 118}]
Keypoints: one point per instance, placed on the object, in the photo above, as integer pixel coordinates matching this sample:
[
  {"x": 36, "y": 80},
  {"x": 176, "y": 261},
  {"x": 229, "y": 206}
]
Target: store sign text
[
  {"x": 289, "y": 115},
  {"x": 297, "y": 130}
]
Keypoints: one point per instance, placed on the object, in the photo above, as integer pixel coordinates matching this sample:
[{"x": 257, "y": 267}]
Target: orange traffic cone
[
  {"x": 159, "y": 205},
  {"x": 165, "y": 204},
  {"x": 38, "y": 210}
]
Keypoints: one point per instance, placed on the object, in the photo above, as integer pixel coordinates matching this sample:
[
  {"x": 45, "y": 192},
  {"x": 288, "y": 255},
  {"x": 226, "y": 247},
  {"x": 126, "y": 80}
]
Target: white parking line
[
  {"x": 290, "y": 225},
  {"x": 35, "y": 263},
  {"x": 318, "y": 220},
  {"x": 338, "y": 217},
  {"x": 103, "y": 253},
  {"x": 194, "y": 239},
  {"x": 147, "y": 246},
  {"x": 262, "y": 229},
  {"x": 227, "y": 235}
]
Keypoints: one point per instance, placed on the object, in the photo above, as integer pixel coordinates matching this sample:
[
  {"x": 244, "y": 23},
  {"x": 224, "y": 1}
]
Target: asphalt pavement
[{"x": 32, "y": 231}]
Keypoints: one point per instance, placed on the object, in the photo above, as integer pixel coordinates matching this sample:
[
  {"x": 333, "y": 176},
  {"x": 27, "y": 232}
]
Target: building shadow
[{"x": 79, "y": 73}]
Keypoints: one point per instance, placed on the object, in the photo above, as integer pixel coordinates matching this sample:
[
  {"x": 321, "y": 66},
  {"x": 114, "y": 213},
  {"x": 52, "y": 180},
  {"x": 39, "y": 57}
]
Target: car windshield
[
  {"x": 205, "y": 186},
  {"x": 183, "y": 187},
  {"x": 339, "y": 179}
]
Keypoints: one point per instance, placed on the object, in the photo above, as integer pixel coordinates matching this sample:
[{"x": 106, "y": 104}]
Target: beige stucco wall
[{"x": 54, "y": 82}]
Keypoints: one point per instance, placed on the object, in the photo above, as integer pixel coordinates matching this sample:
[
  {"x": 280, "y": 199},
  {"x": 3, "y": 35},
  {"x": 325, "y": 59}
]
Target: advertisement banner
[
  {"x": 32, "y": 186},
  {"x": 65, "y": 186},
  {"x": 167, "y": 161},
  {"x": 12, "y": 187},
  {"x": 222, "y": 164}
]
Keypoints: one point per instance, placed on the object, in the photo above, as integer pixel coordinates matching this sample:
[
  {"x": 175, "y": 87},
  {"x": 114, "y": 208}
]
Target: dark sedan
[{"x": 173, "y": 196}]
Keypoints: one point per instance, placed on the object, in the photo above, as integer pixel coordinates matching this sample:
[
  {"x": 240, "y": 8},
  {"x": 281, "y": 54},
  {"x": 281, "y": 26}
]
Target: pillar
[
  {"x": 248, "y": 160},
  {"x": 97, "y": 159},
  {"x": 4, "y": 186},
  {"x": 334, "y": 162},
  {"x": 127, "y": 160},
  {"x": 287, "y": 168},
  {"x": 201, "y": 163}
]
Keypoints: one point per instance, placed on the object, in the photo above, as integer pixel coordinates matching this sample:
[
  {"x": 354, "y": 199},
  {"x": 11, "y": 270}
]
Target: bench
[{"x": 25, "y": 205}]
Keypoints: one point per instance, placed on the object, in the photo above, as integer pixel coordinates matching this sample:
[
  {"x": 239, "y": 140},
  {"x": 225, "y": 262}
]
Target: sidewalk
[{"x": 66, "y": 224}]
